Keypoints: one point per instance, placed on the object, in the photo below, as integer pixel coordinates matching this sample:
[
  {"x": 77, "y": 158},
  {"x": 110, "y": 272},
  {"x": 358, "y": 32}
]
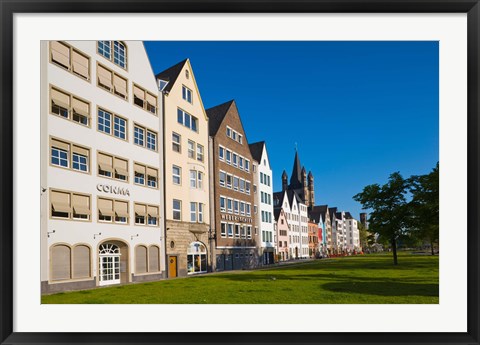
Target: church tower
[
  {"x": 311, "y": 190},
  {"x": 284, "y": 181}
]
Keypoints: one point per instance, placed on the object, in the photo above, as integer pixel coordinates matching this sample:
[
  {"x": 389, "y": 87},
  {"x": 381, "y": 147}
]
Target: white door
[{"x": 109, "y": 265}]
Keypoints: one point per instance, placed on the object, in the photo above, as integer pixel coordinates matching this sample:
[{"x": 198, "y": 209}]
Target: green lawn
[{"x": 368, "y": 279}]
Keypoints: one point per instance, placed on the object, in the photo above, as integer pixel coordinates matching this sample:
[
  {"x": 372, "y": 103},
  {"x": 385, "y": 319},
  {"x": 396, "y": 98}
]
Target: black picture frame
[{"x": 11, "y": 7}]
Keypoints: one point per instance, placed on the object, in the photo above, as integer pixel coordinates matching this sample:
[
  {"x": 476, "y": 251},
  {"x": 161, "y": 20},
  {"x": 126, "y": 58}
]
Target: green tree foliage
[
  {"x": 425, "y": 207},
  {"x": 390, "y": 209}
]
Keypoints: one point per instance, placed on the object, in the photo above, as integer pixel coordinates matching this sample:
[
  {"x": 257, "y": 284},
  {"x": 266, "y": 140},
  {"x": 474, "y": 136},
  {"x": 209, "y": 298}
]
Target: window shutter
[
  {"x": 81, "y": 204},
  {"x": 104, "y": 77},
  {"x": 105, "y": 206},
  {"x": 152, "y": 100},
  {"x": 81, "y": 107},
  {"x": 81, "y": 262},
  {"x": 139, "y": 93},
  {"x": 60, "y": 201},
  {"x": 61, "y": 262},
  {"x": 80, "y": 64},
  {"x": 141, "y": 259},
  {"x": 81, "y": 151},
  {"x": 121, "y": 166},
  {"x": 60, "y": 99},
  {"x": 105, "y": 162},
  {"x": 121, "y": 208},
  {"x": 140, "y": 210},
  {"x": 139, "y": 168},
  {"x": 120, "y": 85},
  {"x": 153, "y": 211},
  {"x": 152, "y": 172},
  {"x": 60, "y": 53},
  {"x": 153, "y": 259},
  {"x": 59, "y": 144}
]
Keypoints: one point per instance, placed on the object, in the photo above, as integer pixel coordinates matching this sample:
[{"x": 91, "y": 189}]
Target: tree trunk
[
  {"x": 431, "y": 246},
  {"x": 394, "y": 249}
]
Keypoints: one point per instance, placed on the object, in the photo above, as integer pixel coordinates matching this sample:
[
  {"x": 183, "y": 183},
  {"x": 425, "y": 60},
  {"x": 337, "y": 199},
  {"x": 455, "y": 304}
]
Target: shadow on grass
[{"x": 383, "y": 288}]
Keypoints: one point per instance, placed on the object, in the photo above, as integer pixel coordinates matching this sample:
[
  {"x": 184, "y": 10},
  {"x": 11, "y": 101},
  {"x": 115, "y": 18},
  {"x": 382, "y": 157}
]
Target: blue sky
[{"x": 357, "y": 111}]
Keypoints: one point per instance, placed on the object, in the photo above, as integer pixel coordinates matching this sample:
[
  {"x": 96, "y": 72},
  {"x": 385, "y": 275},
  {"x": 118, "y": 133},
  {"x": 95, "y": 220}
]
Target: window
[
  {"x": 199, "y": 152},
  {"x": 247, "y": 165},
  {"x": 229, "y": 132},
  {"x": 104, "y": 124},
  {"x": 177, "y": 209},
  {"x": 230, "y": 230},
  {"x": 221, "y": 153},
  {"x": 222, "y": 203},
  {"x": 61, "y": 262},
  {"x": 248, "y": 209},
  {"x": 81, "y": 262},
  {"x": 140, "y": 214},
  {"x": 242, "y": 208},
  {"x": 140, "y": 172},
  {"x": 176, "y": 174},
  {"x": 243, "y": 229},
  {"x": 176, "y": 146},
  {"x": 152, "y": 177},
  {"x": 69, "y": 107},
  {"x": 247, "y": 187},
  {"x": 242, "y": 185},
  {"x": 119, "y": 56},
  {"x": 237, "y": 230},
  {"x": 121, "y": 211},
  {"x": 191, "y": 149},
  {"x": 235, "y": 183},
  {"x": 261, "y": 180},
  {"x": 229, "y": 205},
  {"x": 235, "y": 206},
  {"x": 144, "y": 99},
  {"x": 240, "y": 162},
  {"x": 222, "y": 177},
  {"x": 193, "y": 179},
  {"x": 235, "y": 159},
  {"x": 186, "y": 94},
  {"x": 187, "y": 120},
  {"x": 139, "y": 135},
  {"x": 229, "y": 156},
  {"x": 255, "y": 209},
  {"x": 200, "y": 180},
  {"x": 200, "y": 213},
  {"x": 68, "y": 155},
  {"x": 70, "y": 205},
  {"x": 70, "y": 58},
  {"x": 151, "y": 140},
  {"x": 111, "y": 82},
  {"x": 106, "y": 211},
  {"x": 229, "y": 181},
  {"x": 152, "y": 213},
  {"x": 193, "y": 212},
  {"x": 223, "y": 229},
  {"x": 249, "y": 232}
]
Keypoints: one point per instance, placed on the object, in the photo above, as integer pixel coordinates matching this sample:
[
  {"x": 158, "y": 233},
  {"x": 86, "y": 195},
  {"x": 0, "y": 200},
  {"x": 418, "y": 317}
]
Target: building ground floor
[
  {"x": 268, "y": 255},
  {"x": 186, "y": 248},
  {"x": 75, "y": 266},
  {"x": 236, "y": 258}
]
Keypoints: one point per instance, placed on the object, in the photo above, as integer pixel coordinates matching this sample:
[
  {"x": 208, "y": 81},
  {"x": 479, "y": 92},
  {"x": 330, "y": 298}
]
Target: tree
[
  {"x": 425, "y": 206},
  {"x": 363, "y": 235},
  {"x": 390, "y": 210}
]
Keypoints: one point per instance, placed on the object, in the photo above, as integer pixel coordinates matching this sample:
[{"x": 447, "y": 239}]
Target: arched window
[
  {"x": 108, "y": 249},
  {"x": 81, "y": 262},
  {"x": 196, "y": 258},
  {"x": 153, "y": 259},
  {"x": 61, "y": 262},
  {"x": 141, "y": 259}
]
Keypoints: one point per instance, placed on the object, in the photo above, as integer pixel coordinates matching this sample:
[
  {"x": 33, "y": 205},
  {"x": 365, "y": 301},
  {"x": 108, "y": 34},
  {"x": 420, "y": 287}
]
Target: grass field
[{"x": 368, "y": 279}]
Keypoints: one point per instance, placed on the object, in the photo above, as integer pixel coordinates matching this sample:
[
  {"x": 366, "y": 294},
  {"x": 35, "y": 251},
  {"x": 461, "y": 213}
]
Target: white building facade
[
  {"x": 101, "y": 166},
  {"x": 352, "y": 233},
  {"x": 264, "y": 202}
]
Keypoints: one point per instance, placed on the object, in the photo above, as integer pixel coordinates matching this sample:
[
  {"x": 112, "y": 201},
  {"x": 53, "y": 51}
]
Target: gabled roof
[
  {"x": 296, "y": 177},
  {"x": 278, "y": 196},
  {"x": 256, "y": 149},
  {"x": 217, "y": 114},
  {"x": 293, "y": 194},
  {"x": 171, "y": 74},
  {"x": 276, "y": 213},
  {"x": 348, "y": 215},
  {"x": 332, "y": 211},
  {"x": 317, "y": 211}
]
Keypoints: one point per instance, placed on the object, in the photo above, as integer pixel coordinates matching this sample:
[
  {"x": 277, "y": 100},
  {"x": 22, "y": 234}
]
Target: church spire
[{"x": 296, "y": 177}]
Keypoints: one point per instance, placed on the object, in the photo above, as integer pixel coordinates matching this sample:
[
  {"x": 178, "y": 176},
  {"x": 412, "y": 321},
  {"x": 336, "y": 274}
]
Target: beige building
[
  {"x": 101, "y": 153},
  {"x": 187, "y": 204}
]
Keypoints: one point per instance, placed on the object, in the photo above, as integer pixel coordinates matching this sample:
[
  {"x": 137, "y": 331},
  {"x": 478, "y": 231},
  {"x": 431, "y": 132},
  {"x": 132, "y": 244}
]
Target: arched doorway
[
  {"x": 196, "y": 258},
  {"x": 112, "y": 263}
]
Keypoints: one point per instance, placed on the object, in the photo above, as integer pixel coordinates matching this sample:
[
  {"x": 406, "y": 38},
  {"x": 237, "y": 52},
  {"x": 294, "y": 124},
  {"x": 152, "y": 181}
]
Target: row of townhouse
[
  {"x": 139, "y": 182},
  {"x": 305, "y": 230}
]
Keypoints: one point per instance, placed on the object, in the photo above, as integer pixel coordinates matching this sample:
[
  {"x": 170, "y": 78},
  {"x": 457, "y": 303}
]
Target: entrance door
[
  {"x": 109, "y": 264},
  {"x": 172, "y": 266}
]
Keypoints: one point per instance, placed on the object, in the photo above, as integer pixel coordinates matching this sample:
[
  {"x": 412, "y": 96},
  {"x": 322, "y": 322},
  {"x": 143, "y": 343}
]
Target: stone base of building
[
  {"x": 237, "y": 259},
  {"x": 147, "y": 277},
  {"x": 47, "y": 288},
  {"x": 181, "y": 240}
]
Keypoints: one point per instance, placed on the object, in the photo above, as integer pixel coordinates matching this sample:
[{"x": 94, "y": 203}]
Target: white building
[
  {"x": 264, "y": 202},
  {"x": 352, "y": 233},
  {"x": 101, "y": 155},
  {"x": 296, "y": 214}
]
